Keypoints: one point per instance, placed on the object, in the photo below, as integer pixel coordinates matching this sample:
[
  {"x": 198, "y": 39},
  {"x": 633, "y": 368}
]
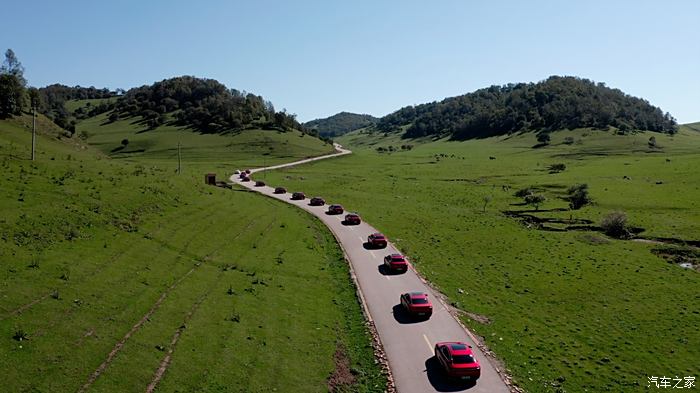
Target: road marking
[
  {"x": 430, "y": 347},
  {"x": 361, "y": 238}
]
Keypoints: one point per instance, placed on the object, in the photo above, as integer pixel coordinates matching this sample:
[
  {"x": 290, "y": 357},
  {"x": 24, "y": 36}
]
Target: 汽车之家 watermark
[{"x": 671, "y": 383}]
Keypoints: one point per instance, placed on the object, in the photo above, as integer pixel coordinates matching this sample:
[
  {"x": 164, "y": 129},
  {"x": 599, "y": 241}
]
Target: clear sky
[{"x": 317, "y": 58}]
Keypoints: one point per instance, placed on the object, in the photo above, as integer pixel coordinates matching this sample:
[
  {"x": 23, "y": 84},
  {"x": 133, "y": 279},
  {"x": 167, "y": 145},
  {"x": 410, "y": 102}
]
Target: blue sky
[{"x": 317, "y": 58}]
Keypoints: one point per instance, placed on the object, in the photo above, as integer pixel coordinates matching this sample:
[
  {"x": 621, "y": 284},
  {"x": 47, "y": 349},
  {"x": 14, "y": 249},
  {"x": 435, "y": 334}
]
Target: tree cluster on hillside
[
  {"x": 340, "y": 123},
  {"x": 53, "y": 98},
  {"x": 554, "y": 104},
  {"x": 203, "y": 104}
]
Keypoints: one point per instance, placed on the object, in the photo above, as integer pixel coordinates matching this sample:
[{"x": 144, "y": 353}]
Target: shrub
[
  {"x": 569, "y": 140},
  {"x": 544, "y": 138},
  {"x": 615, "y": 225},
  {"x": 522, "y": 193},
  {"x": 556, "y": 168},
  {"x": 578, "y": 196}
]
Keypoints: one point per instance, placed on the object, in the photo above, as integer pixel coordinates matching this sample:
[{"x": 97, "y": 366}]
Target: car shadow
[
  {"x": 383, "y": 270},
  {"x": 402, "y": 317},
  {"x": 441, "y": 382},
  {"x": 348, "y": 224}
]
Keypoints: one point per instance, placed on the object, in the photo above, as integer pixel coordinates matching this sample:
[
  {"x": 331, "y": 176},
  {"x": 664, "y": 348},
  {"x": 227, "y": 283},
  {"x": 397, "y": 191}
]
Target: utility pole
[
  {"x": 33, "y": 130},
  {"x": 178, "y": 158}
]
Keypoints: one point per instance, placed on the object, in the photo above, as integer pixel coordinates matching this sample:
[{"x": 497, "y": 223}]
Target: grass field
[
  {"x": 103, "y": 256},
  {"x": 250, "y": 148},
  {"x": 568, "y": 311}
]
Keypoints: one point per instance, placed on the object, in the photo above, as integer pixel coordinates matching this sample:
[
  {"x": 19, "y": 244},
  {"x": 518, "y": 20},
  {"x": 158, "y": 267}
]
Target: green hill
[
  {"x": 97, "y": 250},
  {"x": 554, "y": 104},
  {"x": 340, "y": 124}
]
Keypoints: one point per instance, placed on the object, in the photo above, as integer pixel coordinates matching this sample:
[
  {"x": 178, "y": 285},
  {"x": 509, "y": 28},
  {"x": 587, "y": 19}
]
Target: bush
[
  {"x": 569, "y": 140},
  {"x": 556, "y": 168},
  {"x": 522, "y": 193},
  {"x": 578, "y": 196},
  {"x": 615, "y": 225},
  {"x": 544, "y": 138}
]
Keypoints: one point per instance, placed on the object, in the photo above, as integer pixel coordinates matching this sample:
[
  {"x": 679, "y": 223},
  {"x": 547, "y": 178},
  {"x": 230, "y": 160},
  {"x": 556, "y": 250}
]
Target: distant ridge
[{"x": 340, "y": 123}]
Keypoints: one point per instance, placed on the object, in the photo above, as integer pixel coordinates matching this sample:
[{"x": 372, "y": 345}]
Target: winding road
[{"x": 408, "y": 344}]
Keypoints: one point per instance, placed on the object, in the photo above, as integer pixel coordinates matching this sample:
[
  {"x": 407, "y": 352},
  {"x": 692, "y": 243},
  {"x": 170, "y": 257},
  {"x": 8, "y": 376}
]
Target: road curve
[{"x": 408, "y": 345}]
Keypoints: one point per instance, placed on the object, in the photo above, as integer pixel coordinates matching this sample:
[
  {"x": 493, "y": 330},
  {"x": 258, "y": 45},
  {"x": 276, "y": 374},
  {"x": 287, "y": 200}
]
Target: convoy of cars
[{"x": 456, "y": 359}]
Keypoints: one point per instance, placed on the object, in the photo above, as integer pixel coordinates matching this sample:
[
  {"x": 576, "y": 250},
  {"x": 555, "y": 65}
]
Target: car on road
[
  {"x": 317, "y": 201},
  {"x": 376, "y": 240},
  {"x": 457, "y": 360},
  {"x": 395, "y": 263},
  {"x": 247, "y": 171},
  {"x": 242, "y": 175},
  {"x": 259, "y": 183},
  {"x": 335, "y": 209},
  {"x": 298, "y": 196},
  {"x": 352, "y": 219},
  {"x": 280, "y": 190},
  {"x": 245, "y": 178},
  {"x": 417, "y": 304}
]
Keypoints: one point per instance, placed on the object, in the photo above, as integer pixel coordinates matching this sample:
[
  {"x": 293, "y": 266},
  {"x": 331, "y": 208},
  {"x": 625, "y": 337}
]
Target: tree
[
  {"x": 487, "y": 199},
  {"x": 11, "y": 96},
  {"x": 125, "y": 142},
  {"x": 535, "y": 200},
  {"x": 12, "y": 66},
  {"x": 544, "y": 138}
]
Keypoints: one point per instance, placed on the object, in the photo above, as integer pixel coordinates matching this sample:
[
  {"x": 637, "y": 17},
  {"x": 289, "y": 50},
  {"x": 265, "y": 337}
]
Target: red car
[
  {"x": 280, "y": 190},
  {"x": 298, "y": 196},
  {"x": 247, "y": 171},
  {"x": 242, "y": 175},
  {"x": 335, "y": 209},
  {"x": 395, "y": 263},
  {"x": 376, "y": 240},
  {"x": 245, "y": 178},
  {"x": 352, "y": 218},
  {"x": 259, "y": 183},
  {"x": 457, "y": 359},
  {"x": 417, "y": 304},
  {"x": 317, "y": 201}
]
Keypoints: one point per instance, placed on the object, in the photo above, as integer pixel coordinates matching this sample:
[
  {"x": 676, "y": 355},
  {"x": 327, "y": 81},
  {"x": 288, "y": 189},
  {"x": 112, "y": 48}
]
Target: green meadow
[
  {"x": 227, "y": 290},
  {"x": 568, "y": 310},
  {"x": 222, "y": 152}
]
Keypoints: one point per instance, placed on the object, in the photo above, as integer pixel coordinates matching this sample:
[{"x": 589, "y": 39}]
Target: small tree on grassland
[{"x": 615, "y": 225}]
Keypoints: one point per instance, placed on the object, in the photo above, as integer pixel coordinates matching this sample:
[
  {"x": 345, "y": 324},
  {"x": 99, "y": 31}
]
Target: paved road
[{"x": 408, "y": 345}]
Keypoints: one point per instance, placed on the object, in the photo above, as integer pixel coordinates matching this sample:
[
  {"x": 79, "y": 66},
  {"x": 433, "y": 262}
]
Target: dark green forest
[
  {"x": 202, "y": 104},
  {"x": 554, "y": 104},
  {"x": 340, "y": 123}
]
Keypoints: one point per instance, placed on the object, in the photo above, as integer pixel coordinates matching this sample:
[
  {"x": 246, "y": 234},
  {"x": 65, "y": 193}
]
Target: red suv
[
  {"x": 245, "y": 178},
  {"x": 376, "y": 240},
  {"x": 352, "y": 219},
  {"x": 335, "y": 209},
  {"x": 317, "y": 201},
  {"x": 247, "y": 171},
  {"x": 298, "y": 196},
  {"x": 417, "y": 304},
  {"x": 280, "y": 190},
  {"x": 457, "y": 359},
  {"x": 395, "y": 263}
]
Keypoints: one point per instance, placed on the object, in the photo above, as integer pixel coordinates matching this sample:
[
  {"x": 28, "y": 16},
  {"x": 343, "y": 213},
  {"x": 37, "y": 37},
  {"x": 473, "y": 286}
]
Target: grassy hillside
[
  {"x": 567, "y": 311},
  {"x": 105, "y": 256},
  {"x": 340, "y": 123},
  {"x": 249, "y": 148}
]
